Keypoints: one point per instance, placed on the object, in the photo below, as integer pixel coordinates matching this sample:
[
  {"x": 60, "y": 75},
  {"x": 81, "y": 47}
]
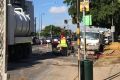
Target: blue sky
[{"x": 53, "y": 12}]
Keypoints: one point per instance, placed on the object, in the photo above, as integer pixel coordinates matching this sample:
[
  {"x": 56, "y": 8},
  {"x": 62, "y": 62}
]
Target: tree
[
  {"x": 56, "y": 31},
  {"x": 51, "y": 29},
  {"x": 102, "y": 12}
]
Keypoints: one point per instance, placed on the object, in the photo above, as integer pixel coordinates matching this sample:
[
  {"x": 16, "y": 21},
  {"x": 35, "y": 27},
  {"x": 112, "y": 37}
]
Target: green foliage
[
  {"x": 56, "y": 31},
  {"x": 101, "y": 11},
  {"x": 72, "y": 6},
  {"x": 67, "y": 32},
  {"x": 74, "y": 19},
  {"x": 51, "y": 29}
]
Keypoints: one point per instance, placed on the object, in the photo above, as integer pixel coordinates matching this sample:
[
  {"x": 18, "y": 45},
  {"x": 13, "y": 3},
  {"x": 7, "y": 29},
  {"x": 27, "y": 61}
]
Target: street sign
[
  {"x": 87, "y": 20},
  {"x": 85, "y": 5},
  {"x": 112, "y": 28}
]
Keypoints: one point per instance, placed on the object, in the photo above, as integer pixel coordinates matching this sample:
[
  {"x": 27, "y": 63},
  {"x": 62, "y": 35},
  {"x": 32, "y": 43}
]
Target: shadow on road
[
  {"x": 47, "y": 55},
  {"x": 35, "y": 58}
]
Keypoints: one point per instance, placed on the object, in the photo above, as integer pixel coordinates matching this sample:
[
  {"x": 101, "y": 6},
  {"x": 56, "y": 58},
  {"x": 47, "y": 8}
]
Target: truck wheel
[{"x": 101, "y": 48}]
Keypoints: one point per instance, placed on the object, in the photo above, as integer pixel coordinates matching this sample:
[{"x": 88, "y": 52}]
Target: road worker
[{"x": 63, "y": 45}]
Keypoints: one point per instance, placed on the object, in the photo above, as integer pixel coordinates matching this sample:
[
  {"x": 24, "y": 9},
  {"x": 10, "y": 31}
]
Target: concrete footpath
[{"x": 109, "y": 72}]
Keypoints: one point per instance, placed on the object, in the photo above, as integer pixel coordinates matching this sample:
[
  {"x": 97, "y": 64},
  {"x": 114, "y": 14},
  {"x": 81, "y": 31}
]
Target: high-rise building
[{"x": 30, "y": 10}]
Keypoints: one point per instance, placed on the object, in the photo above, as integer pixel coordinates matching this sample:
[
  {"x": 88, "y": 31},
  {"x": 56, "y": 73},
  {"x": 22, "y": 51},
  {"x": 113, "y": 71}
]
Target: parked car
[
  {"x": 48, "y": 40},
  {"x": 44, "y": 41},
  {"x": 36, "y": 41},
  {"x": 55, "y": 42},
  {"x": 119, "y": 38}
]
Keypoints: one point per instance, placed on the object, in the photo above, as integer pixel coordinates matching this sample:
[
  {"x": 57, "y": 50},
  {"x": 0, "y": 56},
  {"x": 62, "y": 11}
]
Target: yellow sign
[
  {"x": 78, "y": 41},
  {"x": 78, "y": 31},
  {"x": 84, "y": 5}
]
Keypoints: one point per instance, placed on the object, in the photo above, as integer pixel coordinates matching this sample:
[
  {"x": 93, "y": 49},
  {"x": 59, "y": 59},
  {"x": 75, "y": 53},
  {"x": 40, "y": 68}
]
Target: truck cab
[{"x": 93, "y": 41}]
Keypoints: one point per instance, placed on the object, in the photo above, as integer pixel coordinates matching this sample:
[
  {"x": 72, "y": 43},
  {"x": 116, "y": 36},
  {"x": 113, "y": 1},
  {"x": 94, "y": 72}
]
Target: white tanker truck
[{"x": 19, "y": 34}]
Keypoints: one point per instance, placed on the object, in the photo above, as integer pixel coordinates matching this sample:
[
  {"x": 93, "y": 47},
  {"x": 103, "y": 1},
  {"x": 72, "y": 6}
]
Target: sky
[{"x": 52, "y": 12}]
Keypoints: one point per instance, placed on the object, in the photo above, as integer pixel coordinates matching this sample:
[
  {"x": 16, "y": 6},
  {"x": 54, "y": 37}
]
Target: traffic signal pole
[
  {"x": 84, "y": 34},
  {"x": 86, "y": 66},
  {"x": 78, "y": 37}
]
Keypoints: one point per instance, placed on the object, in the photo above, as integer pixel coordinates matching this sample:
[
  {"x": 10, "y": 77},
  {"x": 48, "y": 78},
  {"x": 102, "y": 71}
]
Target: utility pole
[
  {"x": 40, "y": 23},
  {"x": 86, "y": 66},
  {"x": 112, "y": 27},
  {"x": 39, "y": 28},
  {"x": 78, "y": 37},
  {"x": 51, "y": 36},
  {"x": 35, "y": 25}
]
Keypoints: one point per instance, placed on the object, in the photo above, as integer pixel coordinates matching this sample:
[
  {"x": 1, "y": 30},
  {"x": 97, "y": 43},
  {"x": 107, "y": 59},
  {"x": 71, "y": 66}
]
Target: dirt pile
[
  {"x": 111, "y": 55},
  {"x": 113, "y": 46}
]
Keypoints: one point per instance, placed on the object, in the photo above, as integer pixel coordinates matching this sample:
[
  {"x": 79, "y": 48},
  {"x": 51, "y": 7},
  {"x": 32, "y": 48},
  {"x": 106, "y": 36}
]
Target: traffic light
[
  {"x": 74, "y": 19},
  {"x": 65, "y": 21}
]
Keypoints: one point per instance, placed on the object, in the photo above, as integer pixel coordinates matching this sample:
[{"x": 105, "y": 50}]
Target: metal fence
[{"x": 3, "y": 40}]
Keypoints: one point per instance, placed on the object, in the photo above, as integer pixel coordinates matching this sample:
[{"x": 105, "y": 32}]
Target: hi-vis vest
[{"x": 63, "y": 42}]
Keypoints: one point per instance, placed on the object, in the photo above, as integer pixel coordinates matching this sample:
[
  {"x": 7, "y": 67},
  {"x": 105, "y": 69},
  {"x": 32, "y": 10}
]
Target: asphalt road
[{"x": 44, "y": 65}]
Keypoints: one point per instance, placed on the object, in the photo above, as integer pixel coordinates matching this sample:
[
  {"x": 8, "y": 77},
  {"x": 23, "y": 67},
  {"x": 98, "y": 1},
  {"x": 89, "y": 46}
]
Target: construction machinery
[{"x": 20, "y": 32}]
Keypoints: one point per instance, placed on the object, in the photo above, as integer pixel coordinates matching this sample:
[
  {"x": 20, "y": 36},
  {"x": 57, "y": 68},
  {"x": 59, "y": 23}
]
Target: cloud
[
  {"x": 57, "y": 10},
  {"x": 29, "y": 0}
]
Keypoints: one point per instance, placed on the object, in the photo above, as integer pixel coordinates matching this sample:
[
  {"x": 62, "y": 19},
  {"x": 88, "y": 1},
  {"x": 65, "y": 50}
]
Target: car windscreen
[{"x": 91, "y": 35}]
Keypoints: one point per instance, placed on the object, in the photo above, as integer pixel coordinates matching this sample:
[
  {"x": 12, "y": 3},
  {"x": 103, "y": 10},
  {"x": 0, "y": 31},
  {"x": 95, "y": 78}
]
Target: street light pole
[
  {"x": 35, "y": 25},
  {"x": 39, "y": 28},
  {"x": 40, "y": 25},
  {"x": 41, "y": 22}
]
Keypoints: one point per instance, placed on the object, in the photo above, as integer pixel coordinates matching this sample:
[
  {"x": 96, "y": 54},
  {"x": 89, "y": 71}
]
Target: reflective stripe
[
  {"x": 63, "y": 45},
  {"x": 63, "y": 41}
]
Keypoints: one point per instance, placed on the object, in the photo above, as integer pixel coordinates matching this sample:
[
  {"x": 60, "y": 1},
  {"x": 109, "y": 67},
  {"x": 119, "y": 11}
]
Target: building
[{"x": 30, "y": 11}]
